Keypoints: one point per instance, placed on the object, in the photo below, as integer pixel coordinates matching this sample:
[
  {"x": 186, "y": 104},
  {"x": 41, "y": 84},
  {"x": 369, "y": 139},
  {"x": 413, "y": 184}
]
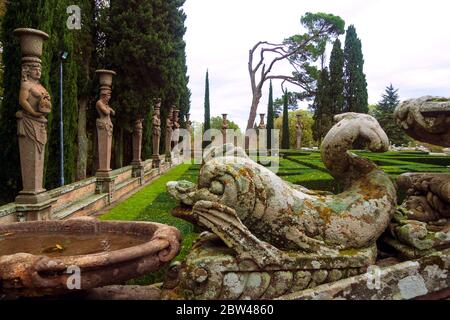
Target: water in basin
[{"x": 57, "y": 245}]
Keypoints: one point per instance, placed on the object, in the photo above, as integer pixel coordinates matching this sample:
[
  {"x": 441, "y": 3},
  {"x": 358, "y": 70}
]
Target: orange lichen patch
[{"x": 325, "y": 214}]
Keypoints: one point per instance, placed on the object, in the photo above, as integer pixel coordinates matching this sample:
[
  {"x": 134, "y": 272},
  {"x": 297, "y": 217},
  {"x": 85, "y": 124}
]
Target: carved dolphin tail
[
  {"x": 352, "y": 130},
  {"x": 369, "y": 192}
]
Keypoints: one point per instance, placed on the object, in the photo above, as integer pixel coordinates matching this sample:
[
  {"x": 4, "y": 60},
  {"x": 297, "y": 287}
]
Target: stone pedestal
[
  {"x": 104, "y": 147},
  {"x": 37, "y": 211},
  {"x": 105, "y": 184}
]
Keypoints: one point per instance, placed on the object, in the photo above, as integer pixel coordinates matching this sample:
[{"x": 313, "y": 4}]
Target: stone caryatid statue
[
  {"x": 224, "y": 127},
  {"x": 268, "y": 237},
  {"x": 168, "y": 137},
  {"x": 261, "y": 125},
  {"x": 188, "y": 123},
  {"x": 299, "y": 131},
  {"x": 35, "y": 105},
  {"x": 156, "y": 134},
  {"x": 104, "y": 124},
  {"x": 421, "y": 225},
  {"x": 176, "y": 125}
]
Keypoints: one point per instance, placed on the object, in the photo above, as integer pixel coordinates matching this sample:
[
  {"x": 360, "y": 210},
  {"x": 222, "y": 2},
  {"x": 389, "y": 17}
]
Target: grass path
[{"x": 131, "y": 208}]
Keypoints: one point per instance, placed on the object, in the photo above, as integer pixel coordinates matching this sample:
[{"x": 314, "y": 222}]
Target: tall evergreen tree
[
  {"x": 207, "y": 111},
  {"x": 337, "y": 78},
  {"x": 323, "y": 115},
  {"x": 270, "y": 117},
  {"x": 285, "y": 128},
  {"x": 384, "y": 113},
  {"x": 356, "y": 97}
]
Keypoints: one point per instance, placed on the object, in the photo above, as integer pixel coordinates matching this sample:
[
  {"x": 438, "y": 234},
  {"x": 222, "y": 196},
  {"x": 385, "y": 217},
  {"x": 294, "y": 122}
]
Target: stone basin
[{"x": 43, "y": 257}]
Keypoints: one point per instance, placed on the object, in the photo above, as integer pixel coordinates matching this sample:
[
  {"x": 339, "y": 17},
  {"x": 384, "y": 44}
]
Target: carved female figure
[
  {"x": 31, "y": 126},
  {"x": 156, "y": 128},
  {"x": 104, "y": 129},
  {"x": 169, "y": 131}
]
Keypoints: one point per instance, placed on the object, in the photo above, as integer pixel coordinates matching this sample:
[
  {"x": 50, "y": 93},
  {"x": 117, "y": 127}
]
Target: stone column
[
  {"x": 224, "y": 127},
  {"x": 105, "y": 182},
  {"x": 33, "y": 202},
  {"x": 138, "y": 167},
  {"x": 299, "y": 133},
  {"x": 156, "y": 134}
]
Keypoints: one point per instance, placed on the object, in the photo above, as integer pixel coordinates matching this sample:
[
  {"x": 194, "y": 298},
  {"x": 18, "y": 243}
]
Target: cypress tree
[
  {"x": 323, "y": 116},
  {"x": 285, "y": 132},
  {"x": 30, "y": 14},
  {"x": 337, "y": 78},
  {"x": 207, "y": 113},
  {"x": 62, "y": 39},
  {"x": 270, "y": 116},
  {"x": 384, "y": 113},
  {"x": 355, "y": 80}
]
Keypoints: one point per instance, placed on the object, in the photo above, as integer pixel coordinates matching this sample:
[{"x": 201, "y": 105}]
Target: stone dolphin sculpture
[{"x": 247, "y": 205}]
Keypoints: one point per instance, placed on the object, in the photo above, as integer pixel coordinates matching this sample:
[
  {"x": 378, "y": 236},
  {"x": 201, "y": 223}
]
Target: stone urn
[
  {"x": 31, "y": 41},
  {"x": 105, "y": 77}
]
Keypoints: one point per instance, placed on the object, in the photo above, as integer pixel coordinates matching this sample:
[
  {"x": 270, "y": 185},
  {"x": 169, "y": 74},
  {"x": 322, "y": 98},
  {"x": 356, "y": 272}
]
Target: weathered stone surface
[
  {"x": 124, "y": 293},
  {"x": 426, "y": 119},
  {"x": 422, "y": 223},
  {"x": 403, "y": 281},
  {"x": 280, "y": 229}
]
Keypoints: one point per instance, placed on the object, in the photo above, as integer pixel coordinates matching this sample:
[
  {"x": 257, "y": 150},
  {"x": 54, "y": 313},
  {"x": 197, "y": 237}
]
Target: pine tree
[
  {"x": 384, "y": 113},
  {"x": 323, "y": 113},
  {"x": 207, "y": 113},
  {"x": 355, "y": 80},
  {"x": 270, "y": 116},
  {"x": 337, "y": 78},
  {"x": 285, "y": 131}
]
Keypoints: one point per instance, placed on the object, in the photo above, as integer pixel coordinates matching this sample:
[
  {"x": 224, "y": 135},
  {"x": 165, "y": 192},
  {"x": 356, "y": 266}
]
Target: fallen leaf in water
[
  {"x": 55, "y": 248},
  {"x": 6, "y": 234}
]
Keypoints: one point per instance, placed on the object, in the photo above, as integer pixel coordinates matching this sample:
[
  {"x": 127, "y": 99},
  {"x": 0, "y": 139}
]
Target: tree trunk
[
  {"x": 82, "y": 139},
  {"x": 254, "y": 108}
]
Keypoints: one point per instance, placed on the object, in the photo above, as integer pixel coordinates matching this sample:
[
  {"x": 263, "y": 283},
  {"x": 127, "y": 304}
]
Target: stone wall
[{"x": 83, "y": 198}]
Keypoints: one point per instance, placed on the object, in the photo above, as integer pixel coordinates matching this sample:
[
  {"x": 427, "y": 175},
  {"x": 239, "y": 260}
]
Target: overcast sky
[{"x": 404, "y": 42}]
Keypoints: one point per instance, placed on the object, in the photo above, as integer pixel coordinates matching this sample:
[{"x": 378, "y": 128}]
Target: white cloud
[{"x": 404, "y": 42}]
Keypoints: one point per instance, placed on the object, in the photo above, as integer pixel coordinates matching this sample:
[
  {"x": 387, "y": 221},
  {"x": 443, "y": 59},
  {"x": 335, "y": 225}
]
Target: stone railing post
[{"x": 33, "y": 202}]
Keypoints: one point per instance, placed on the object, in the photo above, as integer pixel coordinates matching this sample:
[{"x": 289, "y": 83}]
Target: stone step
[{"x": 78, "y": 206}]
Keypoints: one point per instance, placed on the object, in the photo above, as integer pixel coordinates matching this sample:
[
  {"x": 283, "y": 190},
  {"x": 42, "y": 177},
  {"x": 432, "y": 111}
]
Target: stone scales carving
[
  {"x": 269, "y": 237},
  {"x": 422, "y": 224}
]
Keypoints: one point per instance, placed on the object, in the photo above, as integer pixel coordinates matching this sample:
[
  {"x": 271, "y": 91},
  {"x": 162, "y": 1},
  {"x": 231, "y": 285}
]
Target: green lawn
[{"x": 153, "y": 203}]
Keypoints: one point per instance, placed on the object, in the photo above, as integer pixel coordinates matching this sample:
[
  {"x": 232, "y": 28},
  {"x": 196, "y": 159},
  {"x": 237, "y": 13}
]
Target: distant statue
[
  {"x": 224, "y": 127},
  {"x": 188, "y": 122},
  {"x": 299, "y": 132},
  {"x": 156, "y": 133},
  {"x": 169, "y": 132}
]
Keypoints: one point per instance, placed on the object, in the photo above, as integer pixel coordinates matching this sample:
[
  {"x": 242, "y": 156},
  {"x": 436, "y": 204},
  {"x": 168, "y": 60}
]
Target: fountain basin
[{"x": 45, "y": 257}]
